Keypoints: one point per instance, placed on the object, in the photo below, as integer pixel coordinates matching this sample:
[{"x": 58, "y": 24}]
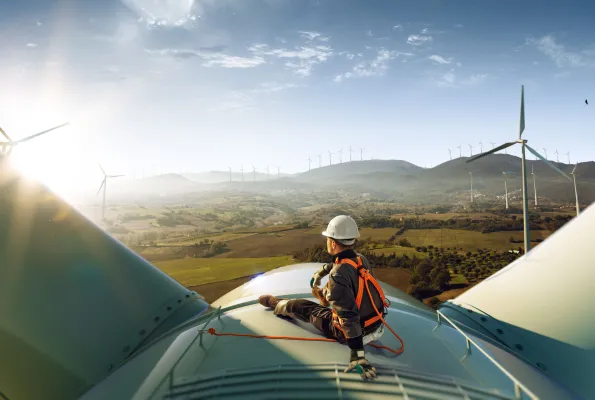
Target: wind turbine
[
  {"x": 578, "y": 209},
  {"x": 330, "y": 158},
  {"x": 460, "y": 151},
  {"x": 524, "y": 145},
  {"x": 471, "y": 180},
  {"x": 104, "y": 186},
  {"x": 267, "y": 172},
  {"x": 557, "y": 158},
  {"x": 350, "y": 151},
  {"x": 253, "y": 173},
  {"x": 309, "y": 162},
  {"x": 229, "y": 173},
  {"x": 568, "y": 155},
  {"x": 480, "y": 147},
  {"x": 319, "y": 160},
  {"x": 493, "y": 144},
  {"x": 545, "y": 151},
  {"x": 534, "y": 184},
  {"x": 361, "y": 154},
  {"x": 6, "y": 147},
  {"x": 471, "y": 150},
  {"x": 242, "y": 172},
  {"x": 341, "y": 156},
  {"x": 278, "y": 171},
  {"x": 506, "y": 187},
  {"x": 450, "y": 154}
]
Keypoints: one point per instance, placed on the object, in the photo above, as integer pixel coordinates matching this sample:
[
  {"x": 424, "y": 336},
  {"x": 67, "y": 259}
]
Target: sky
[{"x": 153, "y": 86}]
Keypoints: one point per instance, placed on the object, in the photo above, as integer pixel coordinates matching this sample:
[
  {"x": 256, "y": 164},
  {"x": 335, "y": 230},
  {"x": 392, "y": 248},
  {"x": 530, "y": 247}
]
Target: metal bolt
[
  {"x": 500, "y": 331},
  {"x": 519, "y": 347}
]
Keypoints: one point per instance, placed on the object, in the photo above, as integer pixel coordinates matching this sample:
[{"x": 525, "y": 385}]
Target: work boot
[{"x": 268, "y": 300}]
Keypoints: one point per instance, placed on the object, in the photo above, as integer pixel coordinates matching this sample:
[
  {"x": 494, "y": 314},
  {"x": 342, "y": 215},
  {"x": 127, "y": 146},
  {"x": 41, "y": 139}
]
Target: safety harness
[{"x": 364, "y": 278}]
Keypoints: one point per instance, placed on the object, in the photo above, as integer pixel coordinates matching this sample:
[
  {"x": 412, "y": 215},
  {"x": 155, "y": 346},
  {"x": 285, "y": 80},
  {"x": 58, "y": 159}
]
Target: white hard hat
[{"x": 343, "y": 228}]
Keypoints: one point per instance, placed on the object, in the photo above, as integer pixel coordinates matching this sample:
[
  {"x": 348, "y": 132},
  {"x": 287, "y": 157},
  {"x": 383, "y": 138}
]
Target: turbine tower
[
  {"x": 253, "y": 173},
  {"x": 104, "y": 186},
  {"x": 330, "y": 158},
  {"x": 480, "y": 147},
  {"x": 361, "y": 154},
  {"x": 229, "y": 173},
  {"x": 242, "y": 172},
  {"x": 267, "y": 172},
  {"x": 6, "y": 147},
  {"x": 320, "y": 160},
  {"x": 524, "y": 145},
  {"x": 557, "y": 158},
  {"x": 460, "y": 151},
  {"x": 450, "y": 154},
  {"x": 341, "y": 156},
  {"x": 506, "y": 187},
  {"x": 545, "y": 151},
  {"x": 493, "y": 144},
  {"x": 573, "y": 173},
  {"x": 278, "y": 171},
  {"x": 534, "y": 185},
  {"x": 350, "y": 151},
  {"x": 309, "y": 162},
  {"x": 471, "y": 181},
  {"x": 568, "y": 155},
  {"x": 471, "y": 150}
]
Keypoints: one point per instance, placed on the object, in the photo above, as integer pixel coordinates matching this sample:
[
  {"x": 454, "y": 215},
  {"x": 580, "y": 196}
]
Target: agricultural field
[{"x": 200, "y": 271}]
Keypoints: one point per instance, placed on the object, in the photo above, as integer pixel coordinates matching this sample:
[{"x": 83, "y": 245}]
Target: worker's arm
[
  {"x": 341, "y": 296},
  {"x": 321, "y": 273}
]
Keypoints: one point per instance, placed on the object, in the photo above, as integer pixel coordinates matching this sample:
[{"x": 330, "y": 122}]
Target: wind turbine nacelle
[
  {"x": 540, "y": 306},
  {"x": 74, "y": 302}
]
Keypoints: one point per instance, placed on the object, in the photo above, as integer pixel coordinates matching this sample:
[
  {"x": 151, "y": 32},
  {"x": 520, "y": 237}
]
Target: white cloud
[
  {"x": 450, "y": 79},
  {"x": 459, "y": 26},
  {"x": 211, "y": 59},
  {"x": 302, "y": 59},
  {"x": 31, "y": 45},
  {"x": 164, "y": 13},
  {"x": 375, "y": 67},
  {"x": 271, "y": 87},
  {"x": 311, "y": 36},
  {"x": 369, "y": 33},
  {"x": 557, "y": 52},
  {"x": 398, "y": 27},
  {"x": 440, "y": 60},
  {"x": 424, "y": 31},
  {"x": 417, "y": 40}
]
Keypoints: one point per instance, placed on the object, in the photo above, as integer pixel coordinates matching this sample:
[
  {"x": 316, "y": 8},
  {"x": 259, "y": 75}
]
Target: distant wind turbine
[
  {"x": 471, "y": 180},
  {"x": 460, "y": 151},
  {"x": 229, "y": 174},
  {"x": 573, "y": 173},
  {"x": 341, "y": 156},
  {"x": 506, "y": 187},
  {"x": 242, "y": 172},
  {"x": 524, "y": 145},
  {"x": 104, "y": 186},
  {"x": 557, "y": 158},
  {"x": 361, "y": 154},
  {"x": 330, "y": 158},
  {"x": 6, "y": 147},
  {"x": 493, "y": 144},
  {"x": 480, "y": 147},
  {"x": 319, "y": 160},
  {"x": 309, "y": 162},
  {"x": 253, "y": 173},
  {"x": 278, "y": 171},
  {"x": 534, "y": 185},
  {"x": 450, "y": 154},
  {"x": 568, "y": 155},
  {"x": 545, "y": 151},
  {"x": 350, "y": 151},
  {"x": 471, "y": 150}
]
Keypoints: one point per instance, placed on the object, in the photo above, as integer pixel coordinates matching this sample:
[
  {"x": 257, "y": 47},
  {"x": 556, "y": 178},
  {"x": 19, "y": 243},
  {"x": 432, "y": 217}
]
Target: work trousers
[{"x": 308, "y": 311}]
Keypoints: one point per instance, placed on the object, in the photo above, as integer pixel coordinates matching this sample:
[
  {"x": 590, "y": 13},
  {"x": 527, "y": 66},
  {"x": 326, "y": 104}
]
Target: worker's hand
[
  {"x": 317, "y": 292},
  {"x": 361, "y": 365},
  {"x": 316, "y": 280}
]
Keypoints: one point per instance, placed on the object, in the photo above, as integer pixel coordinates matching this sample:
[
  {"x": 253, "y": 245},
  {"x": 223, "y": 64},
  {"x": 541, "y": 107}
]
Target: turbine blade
[
  {"x": 536, "y": 154},
  {"x": 5, "y": 135},
  {"x": 522, "y": 121},
  {"x": 102, "y": 169},
  {"x": 40, "y": 133},
  {"x": 114, "y": 176},
  {"x": 102, "y": 183},
  {"x": 505, "y": 145}
]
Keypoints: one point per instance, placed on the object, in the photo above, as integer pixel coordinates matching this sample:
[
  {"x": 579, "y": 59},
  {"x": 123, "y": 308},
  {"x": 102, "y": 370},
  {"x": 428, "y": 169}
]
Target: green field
[
  {"x": 200, "y": 271},
  {"x": 399, "y": 251}
]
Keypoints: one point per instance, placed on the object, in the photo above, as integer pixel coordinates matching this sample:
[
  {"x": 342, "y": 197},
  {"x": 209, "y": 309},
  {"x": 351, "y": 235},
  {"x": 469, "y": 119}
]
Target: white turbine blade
[
  {"x": 574, "y": 169},
  {"x": 5, "y": 135},
  {"x": 536, "y": 154},
  {"x": 102, "y": 183},
  {"x": 505, "y": 145},
  {"x": 102, "y": 170},
  {"x": 114, "y": 176},
  {"x": 40, "y": 133},
  {"x": 522, "y": 121}
]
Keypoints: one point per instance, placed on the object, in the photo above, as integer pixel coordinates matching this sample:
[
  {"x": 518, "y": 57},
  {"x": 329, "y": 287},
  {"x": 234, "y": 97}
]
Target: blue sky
[{"x": 184, "y": 85}]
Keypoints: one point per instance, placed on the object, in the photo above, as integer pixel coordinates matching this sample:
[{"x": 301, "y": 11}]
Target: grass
[
  {"x": 224, "y": 237},
  {"x": 377, "y": 233},
  {"x": 457, "y": 279},
  {"x": 201, "y": 271}
]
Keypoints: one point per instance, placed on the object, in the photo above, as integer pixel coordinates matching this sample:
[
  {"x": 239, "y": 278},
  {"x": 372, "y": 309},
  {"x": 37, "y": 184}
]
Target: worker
[{"x": 345, "y": 320}]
